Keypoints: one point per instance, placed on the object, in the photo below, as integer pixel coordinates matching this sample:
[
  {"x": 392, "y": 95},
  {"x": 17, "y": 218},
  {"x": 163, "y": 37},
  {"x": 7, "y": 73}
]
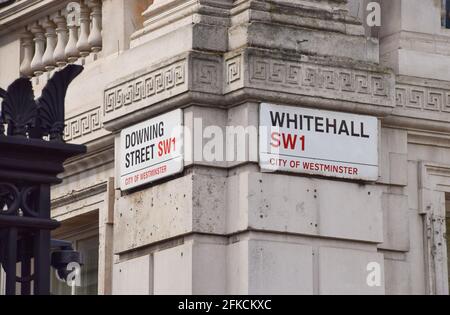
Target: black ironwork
[
  {"x": 32, "y": 153},
  {"x": 19, "y": 110}
]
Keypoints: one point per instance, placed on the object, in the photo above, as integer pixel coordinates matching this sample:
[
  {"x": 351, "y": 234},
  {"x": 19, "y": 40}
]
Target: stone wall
[{"x": 225, "y": 227}]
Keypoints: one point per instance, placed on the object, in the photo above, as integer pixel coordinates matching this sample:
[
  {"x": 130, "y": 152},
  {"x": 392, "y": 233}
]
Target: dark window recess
[
  {"x": 88, "y": 247},
  {"x": 445, "y": 20}
]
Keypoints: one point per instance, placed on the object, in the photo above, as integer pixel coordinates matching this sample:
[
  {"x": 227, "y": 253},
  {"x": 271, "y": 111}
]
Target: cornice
[
  {"x": 75, "y": 196},
  {"x": 244, "y": 75},
  {"x": 21, "y": 13}
]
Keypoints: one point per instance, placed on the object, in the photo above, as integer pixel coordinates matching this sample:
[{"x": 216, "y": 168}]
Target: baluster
[
  {"x": 28, "y": 52},
  {"x": 85, "y": 22},
  {"x": 50, "y": 33},
  {"x": 39, "y": 46},
  {"x": 73, "y": 19},
  {"x": 61, "y": 30},
  {"x": 95, "y": 38}
]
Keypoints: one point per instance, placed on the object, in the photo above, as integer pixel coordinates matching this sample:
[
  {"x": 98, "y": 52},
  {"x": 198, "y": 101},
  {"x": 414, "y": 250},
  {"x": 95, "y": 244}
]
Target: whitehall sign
[
  {"x": 151, "y": 150},
  {"x": 318, "y": 142}
]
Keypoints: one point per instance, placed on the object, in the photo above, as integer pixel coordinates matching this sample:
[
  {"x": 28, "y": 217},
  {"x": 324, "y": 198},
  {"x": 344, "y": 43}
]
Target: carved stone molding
[
  {"x": 421, "y": 104},
  {"x": 207, "y": 74},
  {"x": 434, "y": 183},
  {"x": 305, "y": 78},
  {"x": 75, "y": 196},
  {"x": 216, "y": 79},
  {"x": 422, "y": 98},
  {"x": 191, "y": 72},
  {"x": 234, "y": 75},
  {"x": 83, "y": 124},
  {"x": 148, "y": 87}
]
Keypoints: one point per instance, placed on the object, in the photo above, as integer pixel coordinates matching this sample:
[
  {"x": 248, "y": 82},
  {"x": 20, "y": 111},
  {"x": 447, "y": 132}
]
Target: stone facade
[{"x": 225, "y": 227}]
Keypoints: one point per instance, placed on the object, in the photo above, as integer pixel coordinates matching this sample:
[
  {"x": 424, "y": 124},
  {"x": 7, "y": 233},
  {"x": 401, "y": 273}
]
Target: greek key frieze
[
  {"x": 82, "y": 125},
  {"x": 422, "y": 98},
  {"x": 308, "y": 76},
  {"x": 145, "y": 87},
  {"x": 233, "y": 68}
]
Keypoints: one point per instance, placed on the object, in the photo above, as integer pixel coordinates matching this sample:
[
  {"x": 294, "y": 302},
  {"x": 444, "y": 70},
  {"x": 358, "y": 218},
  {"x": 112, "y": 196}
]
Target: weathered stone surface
[
  {"x": 395, "y": 223},
  {"x": 393, "y": 154},
  {"x": 209, "y": 267},
  {"x": 173, "y": 271},
  {"x": 134, "y": 277},
  {"x": 397, "y": 277},
  {"x": 153, "y": 214},
  {"x": 192, "y": 203},
  {"x": 302, "y": 205},
  {"x": 197, "y": 267},
  {"x": 344, "y": 271},
  {"x": 280, "y": 268},
  {"x": 223, "y": 226}
]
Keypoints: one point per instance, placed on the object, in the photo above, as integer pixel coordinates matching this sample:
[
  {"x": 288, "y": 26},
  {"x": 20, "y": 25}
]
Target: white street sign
[
  {"x": 151, "y": 150},
  {"x": 318, "y": 142}
]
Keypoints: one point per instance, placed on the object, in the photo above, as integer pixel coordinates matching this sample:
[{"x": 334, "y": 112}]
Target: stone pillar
[
  {"x": 73, "y": 22},
  {"x": 61, "y": 30},
  {"x": 83, "y": 44},
  {"x": 223, "y": 226},
  {"x": 106, "y": 222},
  {"x": 37, "y": 65},
  {"x": 95, "y": 37},
  {"x": 28, "y": 52},
  {"x": 50, "y": 33},
  {"x": 128, "y": 14}
]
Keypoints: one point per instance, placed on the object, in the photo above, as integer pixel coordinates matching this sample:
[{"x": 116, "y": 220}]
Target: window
[
  {"x": 89, "y": 272},
  {"x": 445, "y": 13},
  {"x": 86, "y": 241}
]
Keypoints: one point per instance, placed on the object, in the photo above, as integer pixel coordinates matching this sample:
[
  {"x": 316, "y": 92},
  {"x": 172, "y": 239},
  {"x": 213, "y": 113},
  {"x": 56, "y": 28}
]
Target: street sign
[
  {"x": 151, "y": 150},
  {"x": 318, "y": 142}
]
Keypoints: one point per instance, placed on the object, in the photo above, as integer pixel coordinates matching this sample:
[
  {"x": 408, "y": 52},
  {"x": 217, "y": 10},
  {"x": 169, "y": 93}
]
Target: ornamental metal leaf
[
  {"x": 51, "y": 103},
  {"x": 19, "y": 109}
]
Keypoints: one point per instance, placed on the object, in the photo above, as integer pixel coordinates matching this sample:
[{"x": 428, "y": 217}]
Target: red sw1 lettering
[
  {"x": 166, "y": 146},
  {"x": 288, "y": 141}
]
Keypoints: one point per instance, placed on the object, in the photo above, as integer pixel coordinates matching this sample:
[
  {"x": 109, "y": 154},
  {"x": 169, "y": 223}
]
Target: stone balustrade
[{"x": 62, "y": 37}]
